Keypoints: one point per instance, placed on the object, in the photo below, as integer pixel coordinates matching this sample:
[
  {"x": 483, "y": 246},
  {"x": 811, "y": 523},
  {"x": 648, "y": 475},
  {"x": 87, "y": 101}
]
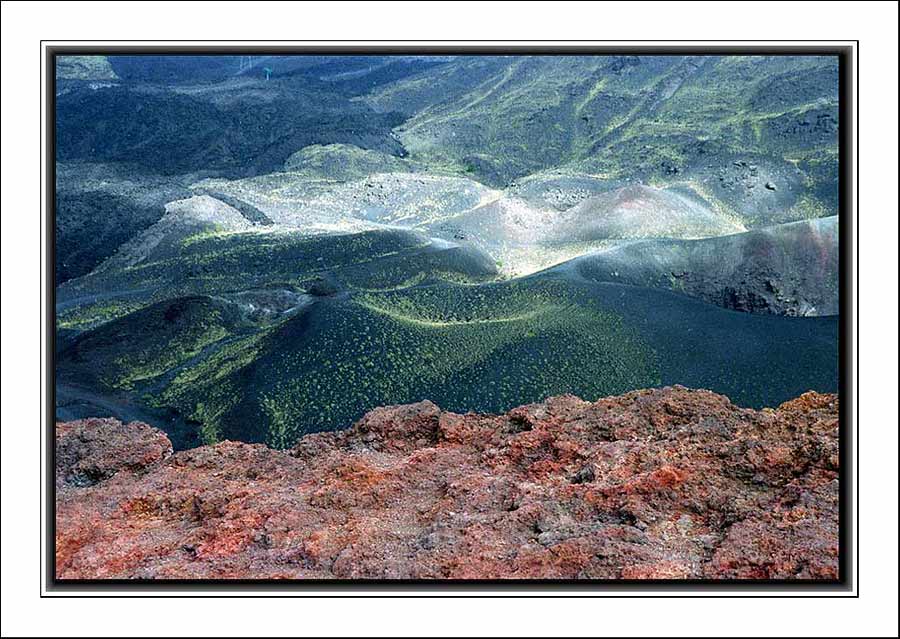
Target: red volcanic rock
[
  {"x": 90, "y": 450},
  {"x": 658, "y": 484}
]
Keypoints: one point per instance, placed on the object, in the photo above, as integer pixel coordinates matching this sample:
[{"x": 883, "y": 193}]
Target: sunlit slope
[
  {"x": 309, "y": 202},
  {"x": 544, "y": 220},
  {"x": 343, "y": 162},
  {"x": 204, "y": 246},
  {"x": 641, "y": 212}
]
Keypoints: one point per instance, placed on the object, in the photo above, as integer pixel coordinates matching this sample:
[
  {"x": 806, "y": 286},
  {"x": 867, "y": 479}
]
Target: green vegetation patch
[
  {"x": 213, "y": 263},
  {"x": 94, "y": 314},
  {"x": 150, "y": 342},
  {"x": 486, "y": 348}
]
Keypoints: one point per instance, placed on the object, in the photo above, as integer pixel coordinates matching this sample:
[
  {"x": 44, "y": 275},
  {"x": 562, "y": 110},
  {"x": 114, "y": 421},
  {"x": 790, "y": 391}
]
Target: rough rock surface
[
  {"x": 91, "y": 450},
  {"x": 661, "y": 484}
]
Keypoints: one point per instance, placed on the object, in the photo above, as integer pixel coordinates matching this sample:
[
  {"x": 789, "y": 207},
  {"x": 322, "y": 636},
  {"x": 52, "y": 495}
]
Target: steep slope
[
  {"x": 205, "y": 246},
  {"x": 529, "y": 226},
  {"x": 99, "y": 207},
  {"x": 304, "y": 200},
  {"x": 790, "y": 269},
  {"x": 642, "y": 212},
  {"x": 663, "y": 484},
  {"x": 538, "y": 225}
]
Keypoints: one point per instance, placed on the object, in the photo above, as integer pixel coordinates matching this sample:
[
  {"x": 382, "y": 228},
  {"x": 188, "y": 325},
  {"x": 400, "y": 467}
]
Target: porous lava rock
[{"x": 668, "y": 483}]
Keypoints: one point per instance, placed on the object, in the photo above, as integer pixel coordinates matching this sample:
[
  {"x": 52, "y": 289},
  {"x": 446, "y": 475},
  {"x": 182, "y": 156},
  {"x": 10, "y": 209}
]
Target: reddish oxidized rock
[
  {"x": 90, "y": 450},
  {"x": 659, "y": 484}
]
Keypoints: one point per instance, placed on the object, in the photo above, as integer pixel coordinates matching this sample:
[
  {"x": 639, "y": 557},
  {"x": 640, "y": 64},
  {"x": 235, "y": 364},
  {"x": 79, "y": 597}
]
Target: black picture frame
[{"x": 848, "y": 487}]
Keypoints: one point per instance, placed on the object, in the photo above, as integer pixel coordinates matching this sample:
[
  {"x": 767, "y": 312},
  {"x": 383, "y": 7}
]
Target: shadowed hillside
[
  {"x": 325, "y": 360},
  {"x": 791, "y": 269}
]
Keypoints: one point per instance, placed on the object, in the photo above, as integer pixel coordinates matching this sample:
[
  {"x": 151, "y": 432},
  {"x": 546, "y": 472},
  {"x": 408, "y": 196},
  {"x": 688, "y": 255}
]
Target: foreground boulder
[{"x": 657, "y": 484}]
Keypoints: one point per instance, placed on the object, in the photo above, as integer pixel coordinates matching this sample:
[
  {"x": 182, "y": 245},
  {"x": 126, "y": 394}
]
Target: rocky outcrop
[
  {"x": 657, "y": 484},
  {"x": 91, "y": 450}
]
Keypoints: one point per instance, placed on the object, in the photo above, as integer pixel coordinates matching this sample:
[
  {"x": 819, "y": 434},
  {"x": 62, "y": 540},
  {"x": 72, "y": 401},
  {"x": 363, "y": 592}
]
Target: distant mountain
[
  {"x": 348, "y": 73},
  {"x": 246, "y": 127},
  {"x": 622, "y": 116},
  {"x": 222, "y": 115}
]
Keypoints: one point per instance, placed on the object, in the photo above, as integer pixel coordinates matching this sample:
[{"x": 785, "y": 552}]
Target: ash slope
[
  {"x": 663, "y": 484},
  {"x": 533, "y": 224},
  {"x": 790, "y": 269}
]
